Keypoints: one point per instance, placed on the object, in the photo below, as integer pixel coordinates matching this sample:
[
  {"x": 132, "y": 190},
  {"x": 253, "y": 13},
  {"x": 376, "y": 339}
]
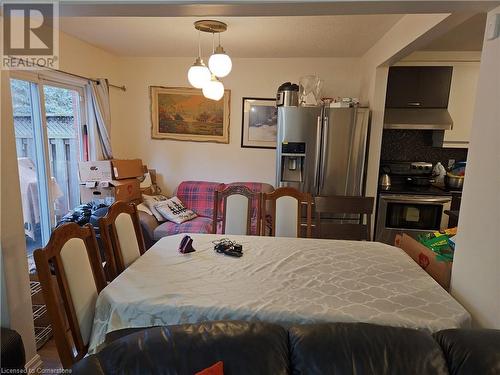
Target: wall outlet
[{"x": 493, "y": 27}]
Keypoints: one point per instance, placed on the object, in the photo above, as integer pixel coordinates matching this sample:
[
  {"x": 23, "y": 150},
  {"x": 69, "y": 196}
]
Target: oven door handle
[{"x": 416, "y": 200}]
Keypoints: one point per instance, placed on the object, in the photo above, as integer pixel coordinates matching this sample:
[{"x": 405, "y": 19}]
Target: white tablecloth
[{"x": 280, "y": 280}]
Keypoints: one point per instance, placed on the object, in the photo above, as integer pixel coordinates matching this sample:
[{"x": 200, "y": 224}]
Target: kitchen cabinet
[
  {"x": 418, "y": 86},
  {"x": 461, "y": 104},
  {"x": 462, "y": 94}
]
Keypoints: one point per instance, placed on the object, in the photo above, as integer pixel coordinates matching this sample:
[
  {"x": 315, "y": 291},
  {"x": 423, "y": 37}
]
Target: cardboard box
[
  {"x": 148, "y": 182},
  {"x": 95, "y": 170},
  {"x": 124, "y": 169},
  {"x": 426, "y": 258},
  {"x": 107, "y": 192},
  {"x": 107, "y": 170}
]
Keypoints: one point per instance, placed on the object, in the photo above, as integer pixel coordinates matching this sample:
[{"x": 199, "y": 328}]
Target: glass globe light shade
[
  {"x": 198, "y": 74},
  {"x": 213, "y": 89},
  {"x": 220, "y": 63}
]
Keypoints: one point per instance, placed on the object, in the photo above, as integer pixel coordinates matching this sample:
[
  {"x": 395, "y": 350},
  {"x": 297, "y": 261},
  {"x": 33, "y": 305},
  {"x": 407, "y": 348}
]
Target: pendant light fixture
[
  {"x": 214, "y": 89},
  {"x": 211, "y": 86},
  {"x": 219, "y": 63},
  {"x": 198, "y": 73}
]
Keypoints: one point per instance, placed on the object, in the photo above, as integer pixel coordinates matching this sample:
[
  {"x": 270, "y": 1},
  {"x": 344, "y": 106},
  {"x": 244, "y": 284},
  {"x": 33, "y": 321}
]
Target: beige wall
[
  {"x": 177, "y": 161},
  {"x": 475, "y": 278},
  {"x": 84, "y": 59}
]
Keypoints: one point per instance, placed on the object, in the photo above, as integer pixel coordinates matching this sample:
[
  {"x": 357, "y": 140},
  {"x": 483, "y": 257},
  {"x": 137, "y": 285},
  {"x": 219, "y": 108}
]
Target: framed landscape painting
[
  {"x": 184, "y": 114},
  {"x": 259, "y": 123}
]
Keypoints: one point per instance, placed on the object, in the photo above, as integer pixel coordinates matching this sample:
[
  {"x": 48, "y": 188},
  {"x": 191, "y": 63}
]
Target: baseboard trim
[{"x": 34, "y": 364}]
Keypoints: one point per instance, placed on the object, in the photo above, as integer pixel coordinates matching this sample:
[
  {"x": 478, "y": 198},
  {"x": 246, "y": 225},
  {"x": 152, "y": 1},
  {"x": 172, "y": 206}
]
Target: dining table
[{"x": 277, "y": 279}]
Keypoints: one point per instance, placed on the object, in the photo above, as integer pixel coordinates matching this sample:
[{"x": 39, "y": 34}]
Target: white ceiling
[
  {"x": 467, "y": 36},
  {"x": 307, "y": 36}
]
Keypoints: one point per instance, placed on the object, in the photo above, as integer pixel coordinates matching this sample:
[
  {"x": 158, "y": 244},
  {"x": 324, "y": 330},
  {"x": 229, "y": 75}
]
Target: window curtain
[{"x": 100, "y": 120}]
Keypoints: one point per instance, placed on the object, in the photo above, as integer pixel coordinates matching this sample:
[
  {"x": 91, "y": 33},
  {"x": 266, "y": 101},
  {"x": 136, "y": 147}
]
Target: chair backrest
[
  {"x": 333, "y": 229},
  {"x": 233, "y": 207},
  {"x": 256, "y": 187},
  {"x": 286, "y": 212},
  {"x": 122, "y": 237},
  {"x": 198, "y": 196},
  {"x": 73, "y": 254}
]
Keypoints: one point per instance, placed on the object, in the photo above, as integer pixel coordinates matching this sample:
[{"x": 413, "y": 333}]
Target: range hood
[
  {"x": 418, "y": 118},
  {"x": 417, "y": 98}
]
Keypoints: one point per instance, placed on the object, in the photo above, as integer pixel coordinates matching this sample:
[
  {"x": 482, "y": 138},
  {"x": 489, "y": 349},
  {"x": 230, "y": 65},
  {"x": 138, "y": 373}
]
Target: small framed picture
[{"x": 259, "y": 123}]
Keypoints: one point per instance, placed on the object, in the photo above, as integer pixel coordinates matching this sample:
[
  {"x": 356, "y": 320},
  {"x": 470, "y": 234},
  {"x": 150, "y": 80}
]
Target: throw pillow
[
  {"x": 150, "y": 201},
  {"x": 216, "y": 369},
  {"x": 173, "y": 210}
]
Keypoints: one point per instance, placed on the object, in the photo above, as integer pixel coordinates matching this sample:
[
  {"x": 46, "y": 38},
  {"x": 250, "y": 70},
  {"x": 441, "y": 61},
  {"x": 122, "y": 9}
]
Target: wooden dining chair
[
  {"x": 234, "y": 209},
  {"x": 73, "y": 257},
  {"x": 343, "y": 228},
  {"x": 284, "y": 208},
  {"x": 122, "y": 237}
]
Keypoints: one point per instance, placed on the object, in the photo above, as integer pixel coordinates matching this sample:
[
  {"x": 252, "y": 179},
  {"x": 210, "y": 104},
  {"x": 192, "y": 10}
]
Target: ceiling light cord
[{"x": 199, "y": 44}]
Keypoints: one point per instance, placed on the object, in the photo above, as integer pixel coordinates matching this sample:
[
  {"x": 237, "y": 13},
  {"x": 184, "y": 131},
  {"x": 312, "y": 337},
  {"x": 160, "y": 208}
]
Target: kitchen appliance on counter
[
  {"x": 411, "y": 205},
  {"x": 454, "y": 178},
  {"x": 385, "y": 181},
  {"x": 287, "y": 95},
  {"x": 322, "y": 150}
]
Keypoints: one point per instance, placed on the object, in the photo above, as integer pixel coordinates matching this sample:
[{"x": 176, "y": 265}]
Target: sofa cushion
[
  {"x": 199, "y": 224},
  {"x": 470, "y": 351},
  {"x": 244, "y": 347},
  {"x": 198, "y": 196},
  {"x": 360, "y": 348},
  {"x": 150, "y": 201}
]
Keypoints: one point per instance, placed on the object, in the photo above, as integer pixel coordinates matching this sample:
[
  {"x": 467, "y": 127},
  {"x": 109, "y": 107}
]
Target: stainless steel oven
[{"x": 410, "y": 214}]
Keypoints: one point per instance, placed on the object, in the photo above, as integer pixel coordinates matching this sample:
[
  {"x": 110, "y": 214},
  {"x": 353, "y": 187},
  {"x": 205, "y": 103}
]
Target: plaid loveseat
[{"x": 199, "y": 197}]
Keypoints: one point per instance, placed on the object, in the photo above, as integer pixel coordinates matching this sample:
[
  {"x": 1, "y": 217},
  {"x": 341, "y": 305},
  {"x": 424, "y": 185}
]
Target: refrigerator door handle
[
  {"x": 323, "y": 152},
  {"x": 318, "y": 151}
]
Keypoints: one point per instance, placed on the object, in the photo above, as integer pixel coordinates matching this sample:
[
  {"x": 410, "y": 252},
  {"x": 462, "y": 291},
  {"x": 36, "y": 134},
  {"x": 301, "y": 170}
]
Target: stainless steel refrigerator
[{"x": 322, "y": 150}]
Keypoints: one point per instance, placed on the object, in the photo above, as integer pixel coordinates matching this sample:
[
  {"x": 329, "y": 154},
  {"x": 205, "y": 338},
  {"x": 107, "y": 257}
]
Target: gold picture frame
[{"x": 184, "y": 114}]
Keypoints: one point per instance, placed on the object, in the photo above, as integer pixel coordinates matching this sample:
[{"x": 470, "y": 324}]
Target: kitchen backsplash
[{"x": 416, "y": 145}]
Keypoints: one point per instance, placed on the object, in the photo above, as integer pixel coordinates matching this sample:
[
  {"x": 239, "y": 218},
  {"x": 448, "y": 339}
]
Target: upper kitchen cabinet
[
  {"x": 418, "y": 86},
  {"x": 461, "y": 104}
]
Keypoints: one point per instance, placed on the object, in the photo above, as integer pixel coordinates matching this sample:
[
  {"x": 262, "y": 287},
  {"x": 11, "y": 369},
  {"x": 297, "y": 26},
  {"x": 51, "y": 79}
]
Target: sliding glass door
[
  {"x": 49, "y": 122},
  {"x": 65, "y": 145}
]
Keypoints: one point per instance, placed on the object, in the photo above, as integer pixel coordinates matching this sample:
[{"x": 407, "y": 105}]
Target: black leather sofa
[
  {"x": 262, "y": 348},
  {"x": 12, "y": 356}
]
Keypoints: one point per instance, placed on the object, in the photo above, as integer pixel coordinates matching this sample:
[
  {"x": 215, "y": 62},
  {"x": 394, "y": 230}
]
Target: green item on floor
[{"x": 439, "y": 245}]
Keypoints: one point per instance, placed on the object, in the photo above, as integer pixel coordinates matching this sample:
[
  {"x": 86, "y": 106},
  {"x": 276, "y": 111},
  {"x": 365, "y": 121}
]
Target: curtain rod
[{"x": 123, "y": 88}]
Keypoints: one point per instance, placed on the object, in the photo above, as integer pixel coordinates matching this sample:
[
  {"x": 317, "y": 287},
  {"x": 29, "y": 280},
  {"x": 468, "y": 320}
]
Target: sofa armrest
[
  {"x": 148, "y": 226},
  {"x": 470, "y": 351}
]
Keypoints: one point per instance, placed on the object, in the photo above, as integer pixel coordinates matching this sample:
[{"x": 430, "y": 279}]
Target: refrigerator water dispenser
[{"x": 292, "y": 161}]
